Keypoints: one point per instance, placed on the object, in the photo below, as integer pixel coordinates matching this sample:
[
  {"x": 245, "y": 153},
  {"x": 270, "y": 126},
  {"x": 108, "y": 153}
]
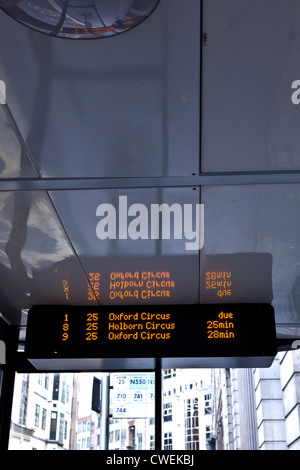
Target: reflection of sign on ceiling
[
  {"x": 132, "y": 395},
  {"x": 224, "y": 278},
  {"x": 119, "y": 281},
  {"x": 127, "y": 286},
  {"x": 238, "y": 277},
  {"x": 238, "y": 330}
]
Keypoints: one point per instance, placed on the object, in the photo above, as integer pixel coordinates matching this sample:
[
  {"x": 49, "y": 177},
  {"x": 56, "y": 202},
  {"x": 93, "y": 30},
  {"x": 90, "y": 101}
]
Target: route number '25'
[{"x": 91, "y": 327}]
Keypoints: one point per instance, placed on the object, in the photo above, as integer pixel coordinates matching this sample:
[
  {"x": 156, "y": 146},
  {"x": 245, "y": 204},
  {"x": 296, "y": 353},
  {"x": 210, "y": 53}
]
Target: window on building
[
  {"x": 65, "y": 429},
  {"x": 168, "y": 441},
  {"x": 55, "y": 387},
  {"x": 167, "y": 412},
  {"x": 207, "y": 404},
  {"x": 140, "y": 440},
  {"x": 23, "y": 399},
  {"x": 46, "y": 381},
  {"x": 53, "y": 425},
  {"x": 61, "y": 428},
  {"x": 44, "y": 418},
  {"x": 192, "y": 412},
  {"x": 37, "y": 416},
  {"x": 168, "y": 373},
  {"x": 152, "y": 442},
  {"x": 191, "y": 424},
  {"x": 64, "y": 389},
  {"x": 123, "y": 438},
  {"x": 208, "y": 431}
]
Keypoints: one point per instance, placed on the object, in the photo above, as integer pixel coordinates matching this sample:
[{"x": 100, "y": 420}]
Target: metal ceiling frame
[{"x": 203, "y": 179}]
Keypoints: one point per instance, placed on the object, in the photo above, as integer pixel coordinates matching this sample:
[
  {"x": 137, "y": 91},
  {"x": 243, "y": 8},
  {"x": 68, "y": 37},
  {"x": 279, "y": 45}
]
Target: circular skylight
[{"x": 79, "y": 19}]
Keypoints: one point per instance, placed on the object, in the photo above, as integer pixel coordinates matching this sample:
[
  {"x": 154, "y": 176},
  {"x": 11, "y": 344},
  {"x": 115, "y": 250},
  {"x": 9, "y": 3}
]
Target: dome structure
[{"x": 80, "y": 19}]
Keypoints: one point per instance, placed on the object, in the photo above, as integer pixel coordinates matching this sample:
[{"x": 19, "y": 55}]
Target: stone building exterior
[{"x": 258, "y": 409}]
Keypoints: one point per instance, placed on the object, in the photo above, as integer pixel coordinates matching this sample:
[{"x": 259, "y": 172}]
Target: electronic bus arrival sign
[{"x": 245, "y": 331}]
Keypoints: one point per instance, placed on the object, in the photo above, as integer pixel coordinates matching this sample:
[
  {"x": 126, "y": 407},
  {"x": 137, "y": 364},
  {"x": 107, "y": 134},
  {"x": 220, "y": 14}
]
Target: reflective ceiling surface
[
  {"x": 80, "y": 19},
  {"x": 195, "y": 105}
]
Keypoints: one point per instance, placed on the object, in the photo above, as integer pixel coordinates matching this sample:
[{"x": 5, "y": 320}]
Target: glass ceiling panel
[
  {"x": 119, "y": 240},
  {"x": 252, "y": 239},
  {"x": 250, "y": 84},
  {"x": 37, "y": 260},
  {"x": 126, "y": 106},
  {"x": 15, "y": 161}
]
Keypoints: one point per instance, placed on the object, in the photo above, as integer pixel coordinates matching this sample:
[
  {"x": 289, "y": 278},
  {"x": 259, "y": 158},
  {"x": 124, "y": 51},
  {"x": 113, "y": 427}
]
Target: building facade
[
  {"x": 88, "y": 432},
  {"x": 258, "y": 409},
  {"x": 53, "y": 412},
  {"x": 41, "y": 415},
  {"x": 202, "y": 409},
  {"x": 131, "y": 434},
  {"x": 187, "y": 409}
]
